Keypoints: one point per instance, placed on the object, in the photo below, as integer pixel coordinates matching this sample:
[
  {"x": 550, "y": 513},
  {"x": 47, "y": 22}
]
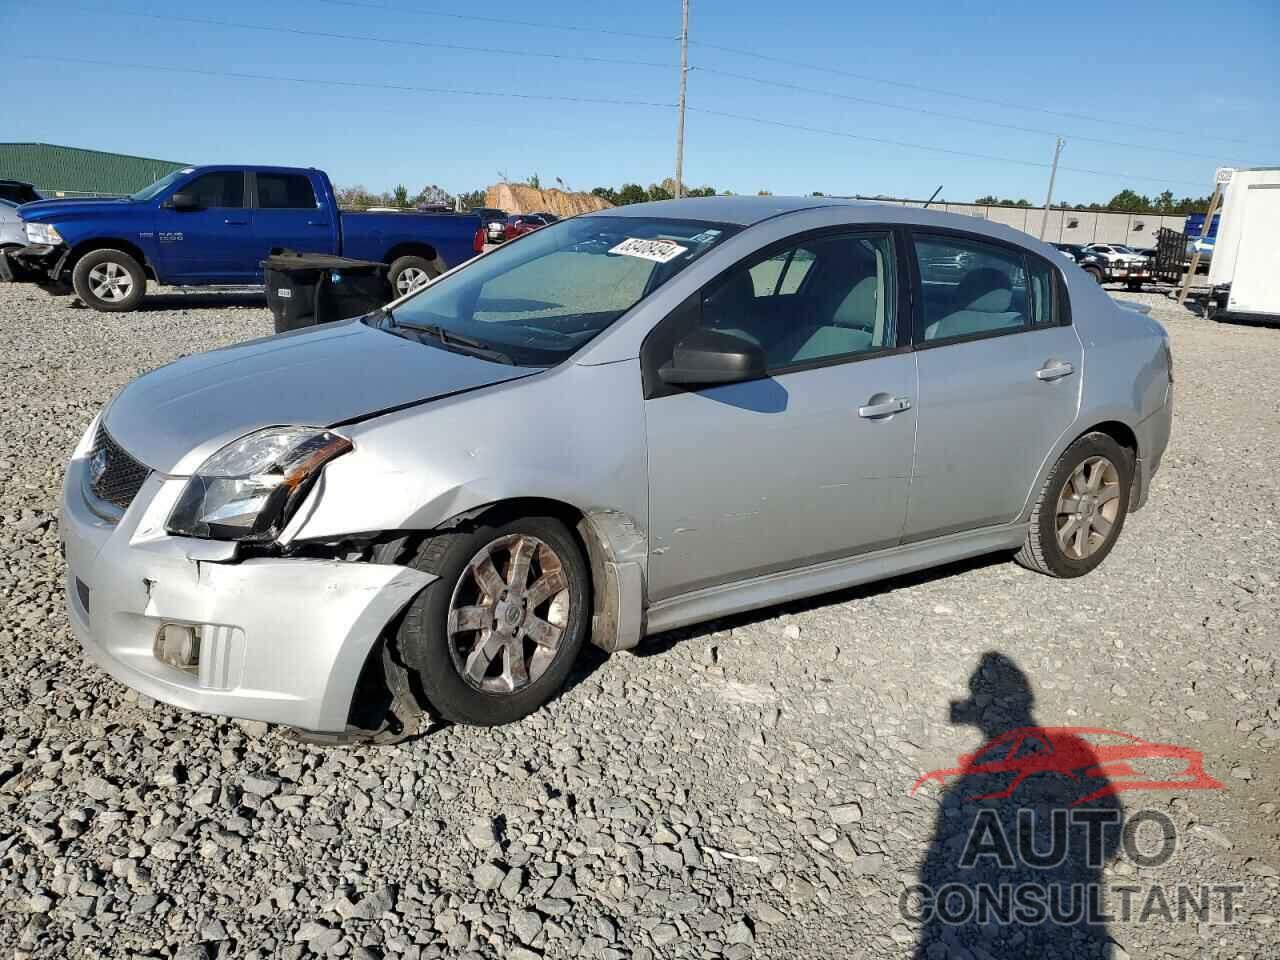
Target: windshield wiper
[{"x": 449, "y": 339}]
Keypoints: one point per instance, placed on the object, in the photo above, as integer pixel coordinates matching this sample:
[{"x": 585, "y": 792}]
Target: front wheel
[
  {"x": 495, "y": 637},
  {"x": 1081, "y": 509},
  {"x": 109, "y": 281},
  {"x": 1095, "y": 273},
  {"x": 409, "y": 273}
]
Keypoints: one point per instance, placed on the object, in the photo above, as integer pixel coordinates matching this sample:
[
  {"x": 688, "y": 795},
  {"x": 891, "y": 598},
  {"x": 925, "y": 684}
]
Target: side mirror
[
  {"x": 184, "y": 201},
  {"x": 706, "y": 357}
]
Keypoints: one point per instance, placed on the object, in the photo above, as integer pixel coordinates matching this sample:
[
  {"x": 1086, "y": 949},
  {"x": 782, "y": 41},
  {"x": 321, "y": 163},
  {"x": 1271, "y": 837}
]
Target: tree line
[
  {"x": 358, "y": 197},
  {"x": 1126, "y": 201}
]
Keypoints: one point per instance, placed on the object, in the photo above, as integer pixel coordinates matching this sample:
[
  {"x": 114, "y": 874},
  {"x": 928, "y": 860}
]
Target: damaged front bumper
[
  {"x": 34, "y": 263},
  {"x": 280, "y": 640}
]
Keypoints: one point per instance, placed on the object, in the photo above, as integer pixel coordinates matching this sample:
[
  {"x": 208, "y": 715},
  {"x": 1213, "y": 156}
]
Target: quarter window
[
  {"x": 971, "y": 288},
  {"x": 828, "y": 297},
  {"x": 222, "y": 189},
  {"x": 285, "y": 191}
]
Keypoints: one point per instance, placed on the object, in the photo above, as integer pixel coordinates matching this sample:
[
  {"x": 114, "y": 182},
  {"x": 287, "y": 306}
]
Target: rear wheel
[
  {"x": 495, "y": 637},
  {"x": 1081, "y": 509},
  {"x": 408, "y": 273},
  {"x": 110, "y": 281},
  {"x": 1095, "y": 273}
]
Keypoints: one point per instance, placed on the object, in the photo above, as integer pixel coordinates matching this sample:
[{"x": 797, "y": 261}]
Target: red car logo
[{"x": 1081, "y": 754}]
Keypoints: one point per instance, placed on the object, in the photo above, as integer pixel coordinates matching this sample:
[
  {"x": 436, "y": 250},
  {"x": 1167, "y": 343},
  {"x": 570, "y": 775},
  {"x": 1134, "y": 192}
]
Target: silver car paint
[
  {"x": 582, "y": 435},
  {"x": 175, "y": 417},
  {"x": 12, "y": 231}
]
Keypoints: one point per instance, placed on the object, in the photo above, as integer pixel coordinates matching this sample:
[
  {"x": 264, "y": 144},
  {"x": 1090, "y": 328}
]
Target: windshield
[
  {"x": 548, "y": 293},
  {"x": 157, "y": 188}
]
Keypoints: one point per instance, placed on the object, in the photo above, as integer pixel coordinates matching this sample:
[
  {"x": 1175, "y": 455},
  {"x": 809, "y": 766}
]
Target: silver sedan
[{"x": 617, "y": 425}]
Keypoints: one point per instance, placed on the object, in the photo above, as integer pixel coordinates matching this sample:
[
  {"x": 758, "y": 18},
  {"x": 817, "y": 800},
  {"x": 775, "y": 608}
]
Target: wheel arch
[
  {"x": 412, "y": 248},
  {"x": 78, "y": 252},
  {"x": 615, "y": 546},
  {"x": 1118, "y": 430}
]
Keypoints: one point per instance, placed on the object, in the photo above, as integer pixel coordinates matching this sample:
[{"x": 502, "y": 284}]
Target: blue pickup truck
[{"x": 213, "y": 225}]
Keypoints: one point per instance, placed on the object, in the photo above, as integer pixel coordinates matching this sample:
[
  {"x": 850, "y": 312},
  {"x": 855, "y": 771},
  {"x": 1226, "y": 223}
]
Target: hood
[
  {"x": 174, "y": 418},
  {"x": 41, "y": 210}
]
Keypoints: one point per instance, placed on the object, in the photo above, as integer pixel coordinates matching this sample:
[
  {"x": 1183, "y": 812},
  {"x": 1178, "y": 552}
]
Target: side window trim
[
  {"x": 688, "y": 313},
  {"x": 1061, "y": 302}
]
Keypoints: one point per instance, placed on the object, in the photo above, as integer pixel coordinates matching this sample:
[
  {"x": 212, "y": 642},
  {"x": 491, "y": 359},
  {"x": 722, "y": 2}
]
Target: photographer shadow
[{"x": 1025, "y": 826}]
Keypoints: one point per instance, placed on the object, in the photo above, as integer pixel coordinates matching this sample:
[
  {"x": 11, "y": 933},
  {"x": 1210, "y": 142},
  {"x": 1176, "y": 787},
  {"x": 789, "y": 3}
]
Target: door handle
[
  {"x": 1055, "y": 370},
  {"x": 239, "y": 223},
  {"x": 886, "y": 408}
]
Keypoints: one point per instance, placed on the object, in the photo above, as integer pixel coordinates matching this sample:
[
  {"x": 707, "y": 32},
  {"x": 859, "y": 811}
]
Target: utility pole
[
  {"x": 1221, "y": 179},
  {"x": 684, "y": 73},
  {"x": 1048, "y": 197}
]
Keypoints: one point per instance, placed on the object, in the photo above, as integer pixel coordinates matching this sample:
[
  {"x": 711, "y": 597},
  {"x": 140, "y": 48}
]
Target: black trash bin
[{"x": 304, "y": 289}]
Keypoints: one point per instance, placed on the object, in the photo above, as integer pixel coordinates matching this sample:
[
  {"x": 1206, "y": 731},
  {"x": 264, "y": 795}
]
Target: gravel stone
[{"x": 741, "y": 788}]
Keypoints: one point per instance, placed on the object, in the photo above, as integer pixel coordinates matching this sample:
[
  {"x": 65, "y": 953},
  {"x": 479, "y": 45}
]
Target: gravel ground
[{"x": 739, "y": 789}]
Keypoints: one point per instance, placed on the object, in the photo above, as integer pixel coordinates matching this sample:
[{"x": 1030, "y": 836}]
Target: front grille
[{"x": 114, "y": 476}]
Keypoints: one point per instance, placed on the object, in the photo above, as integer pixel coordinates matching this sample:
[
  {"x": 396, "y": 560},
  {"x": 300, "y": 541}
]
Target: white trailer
[{"x": 1245, "y": 272}]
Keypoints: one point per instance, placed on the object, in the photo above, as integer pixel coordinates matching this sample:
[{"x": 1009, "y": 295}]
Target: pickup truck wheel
[
  {"x": 494, "y": 638},
  {"x": 1095, "y": 273},
  {"x": 110, "y": 281},
  {"x": 409, "y": 273}
]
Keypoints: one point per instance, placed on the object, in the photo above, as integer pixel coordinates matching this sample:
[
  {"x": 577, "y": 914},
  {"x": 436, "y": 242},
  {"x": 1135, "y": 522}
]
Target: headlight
[
  {"x": 250, "y": 488},
  {"x": 43, "y": 233}
]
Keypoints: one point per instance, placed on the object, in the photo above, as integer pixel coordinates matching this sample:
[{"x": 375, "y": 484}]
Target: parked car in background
[
  {"x": 13, "y": 236},
  {"x": 18, "y": 191},
  {"x": 214, "y": 225},
  {"x": 1072, "y": 251},
  {"x": 548, "y": 218},
  {"x": 518, "y": 224},
  {"x": 495, "y": 223},
  {"x": 1115, "y": 263},
  {"x": 261, "y": 530}
]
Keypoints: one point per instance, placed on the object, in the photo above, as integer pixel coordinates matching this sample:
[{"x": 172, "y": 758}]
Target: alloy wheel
[
  {"x": 1088, "y": 507},
  {"x": 411, "y": 278},
  {"x": 508, "y": 614},
  {"x": 110, "y": 282}
]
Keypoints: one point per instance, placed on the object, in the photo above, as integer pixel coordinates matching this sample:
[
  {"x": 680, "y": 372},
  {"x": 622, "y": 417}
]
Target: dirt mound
[{"x": 520, "y": 198}]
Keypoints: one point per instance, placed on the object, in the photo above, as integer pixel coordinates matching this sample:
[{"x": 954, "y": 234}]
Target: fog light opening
[{"x": 178, "y": 645}]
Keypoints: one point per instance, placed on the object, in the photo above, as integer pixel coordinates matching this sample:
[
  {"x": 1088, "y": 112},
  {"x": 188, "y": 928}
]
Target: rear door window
[
  {"x": 970, "y": 288},
  {"x": 285, "y": 191}
]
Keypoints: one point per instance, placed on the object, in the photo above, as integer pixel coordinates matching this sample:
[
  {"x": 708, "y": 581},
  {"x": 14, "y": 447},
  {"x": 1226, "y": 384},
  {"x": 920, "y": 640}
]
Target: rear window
[{"x": 285, "y": 191}]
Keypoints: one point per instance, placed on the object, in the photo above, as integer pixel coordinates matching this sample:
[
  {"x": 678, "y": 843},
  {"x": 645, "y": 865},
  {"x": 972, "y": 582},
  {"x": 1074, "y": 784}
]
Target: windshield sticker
[
  {"x": 706, "y": 236},
  {"x": 659, "y": 251}
]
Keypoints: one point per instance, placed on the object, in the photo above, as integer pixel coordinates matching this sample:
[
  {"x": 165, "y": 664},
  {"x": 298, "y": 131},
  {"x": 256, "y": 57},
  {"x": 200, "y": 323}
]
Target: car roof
[{"x": 738, "y": 210}]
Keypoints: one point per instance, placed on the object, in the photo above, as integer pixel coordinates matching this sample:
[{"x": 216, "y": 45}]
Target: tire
[
  {"x": 1095, "y": 273},
  {"x": 1044, "y": 549},
  {"x": 109, "y": 281},
  {"x": 492, "y": 691},
  {"x": 407, "y": 273},
  {"x": 1136, "y": 287}
]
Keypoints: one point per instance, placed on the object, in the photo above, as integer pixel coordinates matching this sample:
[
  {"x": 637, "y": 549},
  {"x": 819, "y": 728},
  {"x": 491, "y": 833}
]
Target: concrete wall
[{"x": 1066, "y": 226}]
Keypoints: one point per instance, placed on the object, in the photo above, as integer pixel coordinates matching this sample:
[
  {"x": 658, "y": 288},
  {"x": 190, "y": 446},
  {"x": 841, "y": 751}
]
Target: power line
[
  {"x": 367, "y": 38},
  {"x": 543, "y": 25},
  {"x": 921, "y": 146},
  {"x": 921, "y": 88},
  {"x": 450, "y": 91},
  {"x": 359, "y": 84},
  {"x": 925, "y": 111}
]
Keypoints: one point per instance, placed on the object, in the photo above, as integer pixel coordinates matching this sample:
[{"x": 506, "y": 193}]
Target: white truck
[{"x": 1245, "y": 273}]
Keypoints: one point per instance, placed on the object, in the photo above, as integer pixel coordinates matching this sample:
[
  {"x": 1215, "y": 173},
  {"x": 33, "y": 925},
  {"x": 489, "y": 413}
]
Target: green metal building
[{"x": 72, "y": 172}]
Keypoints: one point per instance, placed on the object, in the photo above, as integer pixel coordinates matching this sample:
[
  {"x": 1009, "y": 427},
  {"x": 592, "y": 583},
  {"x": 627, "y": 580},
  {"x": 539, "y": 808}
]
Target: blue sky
[{"x": 1134, "y": 63}]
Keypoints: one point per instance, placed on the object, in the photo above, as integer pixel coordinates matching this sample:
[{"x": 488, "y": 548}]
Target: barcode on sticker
[{"x": 659, "y": 251}]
